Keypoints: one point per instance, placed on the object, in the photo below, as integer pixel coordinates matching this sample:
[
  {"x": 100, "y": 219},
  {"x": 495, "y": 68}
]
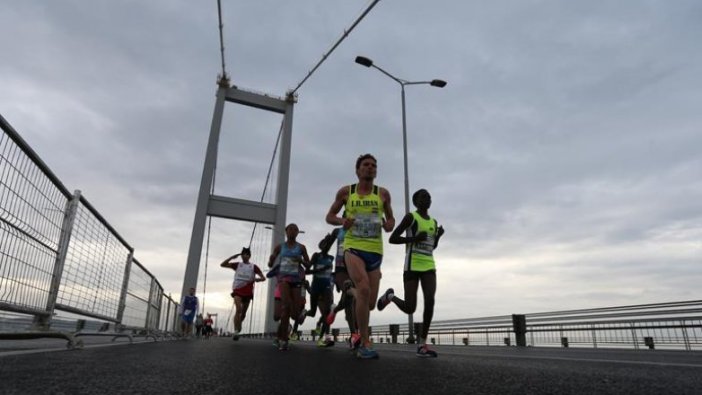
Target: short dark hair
[
  {"x": 364, "y": 157},
  {"x": 415, "y": 196},
  {"x": 246, "y": 251}
]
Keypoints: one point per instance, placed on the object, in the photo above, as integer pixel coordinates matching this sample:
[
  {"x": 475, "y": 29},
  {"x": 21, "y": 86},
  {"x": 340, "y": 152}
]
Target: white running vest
[{"x": 244, "y": 274}]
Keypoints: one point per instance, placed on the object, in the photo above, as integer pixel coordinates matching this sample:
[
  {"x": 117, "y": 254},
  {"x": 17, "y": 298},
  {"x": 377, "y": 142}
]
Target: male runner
[
  {"x": 368, "y": 212},
  {"x": 189, "y": 305}
]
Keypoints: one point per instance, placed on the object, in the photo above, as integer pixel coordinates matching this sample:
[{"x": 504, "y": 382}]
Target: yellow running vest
[
  {"x": 367, "y": 212},
  {"x": 420, "y": 256}
]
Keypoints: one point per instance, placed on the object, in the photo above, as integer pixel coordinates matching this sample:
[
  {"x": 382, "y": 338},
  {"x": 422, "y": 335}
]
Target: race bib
[
  {"x": 366, "y": 226},
  {"x": 289, "y": 266},
  {"x": 425, "y": 247}
]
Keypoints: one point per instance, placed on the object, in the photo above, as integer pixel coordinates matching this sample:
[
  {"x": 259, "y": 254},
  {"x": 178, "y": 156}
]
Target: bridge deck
[{"x": 221, "y": 366}]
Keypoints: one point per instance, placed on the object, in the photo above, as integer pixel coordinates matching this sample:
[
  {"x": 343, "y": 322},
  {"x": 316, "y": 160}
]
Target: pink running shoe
[{"x": 355, "y": 341}]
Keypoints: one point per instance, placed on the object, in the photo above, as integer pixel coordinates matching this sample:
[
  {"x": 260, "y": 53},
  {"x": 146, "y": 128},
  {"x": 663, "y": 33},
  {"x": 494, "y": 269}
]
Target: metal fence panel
[
  {"x": 94, "y": 267},
  {"x": 32, "y": 205},
  {"x": 137, "y": 301},
  {"x": 40, "y": 222}
]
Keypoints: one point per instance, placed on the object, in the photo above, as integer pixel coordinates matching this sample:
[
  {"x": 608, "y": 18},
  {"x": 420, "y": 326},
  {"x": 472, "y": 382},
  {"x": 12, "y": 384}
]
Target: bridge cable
[
  {"x": 268, "y": 176},
  {"x": 326, "y": 55},
  {"x": 263, "y": 195},
  {"x": 224, "y": 76}
]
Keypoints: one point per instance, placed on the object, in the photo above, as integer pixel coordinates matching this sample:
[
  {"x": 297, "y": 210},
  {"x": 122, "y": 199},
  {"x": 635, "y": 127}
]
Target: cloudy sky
[{"x": 563, "y": 156}]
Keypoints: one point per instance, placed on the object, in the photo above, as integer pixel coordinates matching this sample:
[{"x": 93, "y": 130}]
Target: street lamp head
[
  {"x": 438, "y": 83},
  {"x": 363, "y": 61}
]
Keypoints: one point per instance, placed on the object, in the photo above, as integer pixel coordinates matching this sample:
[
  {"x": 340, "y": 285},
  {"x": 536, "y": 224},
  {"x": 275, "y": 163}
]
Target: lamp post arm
[{"x": 399, "y": 81}]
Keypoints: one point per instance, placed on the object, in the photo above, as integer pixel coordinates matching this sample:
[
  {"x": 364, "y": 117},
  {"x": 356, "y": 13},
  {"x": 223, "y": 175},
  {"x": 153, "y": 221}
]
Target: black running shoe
[{"x": 385, "y": 299}]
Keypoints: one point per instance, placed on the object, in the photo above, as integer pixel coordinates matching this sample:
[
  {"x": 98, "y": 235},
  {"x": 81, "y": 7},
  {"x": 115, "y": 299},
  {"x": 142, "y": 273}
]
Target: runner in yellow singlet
[
  {"x": 423, "y": 238},
  {"x": 368, "y": 213}
]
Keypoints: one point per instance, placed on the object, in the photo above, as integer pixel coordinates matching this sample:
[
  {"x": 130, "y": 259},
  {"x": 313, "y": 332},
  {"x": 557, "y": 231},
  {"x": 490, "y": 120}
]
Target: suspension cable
[
  {"x": 263, "y": 195},
  {"x": 268, "y": 176},
  {"x": 207, "y": 258},
  {"x": 207, "y": 248},
  {"x": 224, "y": 77},
  {"x": 343, "y": 36}
]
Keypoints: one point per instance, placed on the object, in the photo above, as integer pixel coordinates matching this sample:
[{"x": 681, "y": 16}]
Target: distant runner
[{"x": 246, "y": 275}]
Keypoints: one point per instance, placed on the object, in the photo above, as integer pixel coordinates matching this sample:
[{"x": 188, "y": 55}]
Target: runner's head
[
  {"x": 366, "y": 167},
  {"x": 291, "y": 231},
  {"x": 246, "y": 254},
  {"x": 192, "y": 291},
  {"x": 421, "y": 199}
]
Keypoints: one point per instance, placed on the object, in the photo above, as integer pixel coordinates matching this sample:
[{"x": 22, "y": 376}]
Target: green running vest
[
  {"x": 420, "y": 256},
  {"x": 367, "y": 212}
]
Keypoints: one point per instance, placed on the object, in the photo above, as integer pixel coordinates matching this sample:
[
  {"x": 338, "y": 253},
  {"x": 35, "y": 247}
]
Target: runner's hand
[
  {"x": 387, "y": 226},
  {"x": 440, "y": 231},
  {"x": 348, "y": 223}
]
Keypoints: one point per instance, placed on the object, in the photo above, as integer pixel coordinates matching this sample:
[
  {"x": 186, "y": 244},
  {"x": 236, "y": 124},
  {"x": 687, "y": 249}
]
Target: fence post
[
  {"x": 686, "y": 338},
  {"x": 159, "y": 303},
  {"x": 520, "y": 329},
  {"x": 394, "y": 331},
  {"x": 594, "y": 336},
  {"x": 149, "y": 307},
  {"x": 125, "y": 285},
  {"x": 69, "y": 218},
  {"x": 168, "y": 314}
]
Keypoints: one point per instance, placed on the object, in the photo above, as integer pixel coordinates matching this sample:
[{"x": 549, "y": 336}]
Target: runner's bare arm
[
  {"x": 397, "y": 235},
  {"x": 274, "y": 255},
  {"x": 259, "y": 274},
  {"x": 305, "y": 257},
  {"x": 339, "y": 201},
  {"x": 389, "y": 220},
  {"x": 226, "y": 263},
  {"x": 439, "y": 233}
]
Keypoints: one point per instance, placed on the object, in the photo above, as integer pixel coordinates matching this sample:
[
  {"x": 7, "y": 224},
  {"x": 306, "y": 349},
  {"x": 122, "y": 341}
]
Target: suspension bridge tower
[{"x": 209, "y": 204}]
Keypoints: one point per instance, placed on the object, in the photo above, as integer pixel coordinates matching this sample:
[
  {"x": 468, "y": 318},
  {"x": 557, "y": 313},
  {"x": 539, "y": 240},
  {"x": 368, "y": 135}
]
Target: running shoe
[
  {"x": 332, "y": 315},
  {"x": 423, "y": 351},
  {"x": 355, "y": 341},
  {"x": 385, "y": 299},
  {"x": 293, "y": 336},
  {"x": 323, "y": 343},
  {"x": 283, "y": 346},
  {"x": 366, "y": 353},
  {"x": 276, "y": 343},
  {"x": 235, "y": 335}
]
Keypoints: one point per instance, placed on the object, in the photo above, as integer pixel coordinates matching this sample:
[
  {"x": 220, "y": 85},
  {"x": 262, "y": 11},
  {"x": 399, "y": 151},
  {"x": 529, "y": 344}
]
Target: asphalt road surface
[{"x": 249, "y": 367}]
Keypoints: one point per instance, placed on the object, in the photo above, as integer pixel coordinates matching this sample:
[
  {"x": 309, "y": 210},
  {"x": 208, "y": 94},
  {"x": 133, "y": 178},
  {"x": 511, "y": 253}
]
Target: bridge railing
[
  {"x": 672, "y": 326},
  {"x": 59, "y": 254}
]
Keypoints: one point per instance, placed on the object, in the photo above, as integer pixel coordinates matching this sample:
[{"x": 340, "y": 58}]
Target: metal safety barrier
[
  {"x": 58, "y": 254},
  {"x": 669, "y": 326}
]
